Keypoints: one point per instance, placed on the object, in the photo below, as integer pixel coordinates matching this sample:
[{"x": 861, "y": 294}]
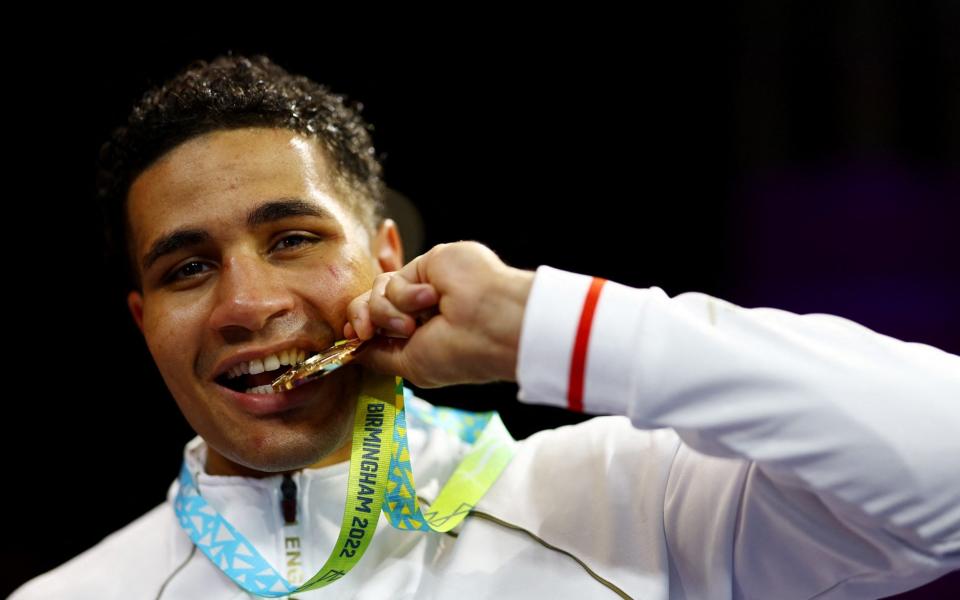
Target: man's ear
[
  {"x": 135, "y": 304},
  {"x": 387, "y": 247}
]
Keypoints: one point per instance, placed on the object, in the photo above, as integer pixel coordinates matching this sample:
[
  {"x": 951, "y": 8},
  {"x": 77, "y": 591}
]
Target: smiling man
[
  {"x": 243, "y": 211},
  {"x": 751, "y": 453},
  {"x": 248, "y": 258}
]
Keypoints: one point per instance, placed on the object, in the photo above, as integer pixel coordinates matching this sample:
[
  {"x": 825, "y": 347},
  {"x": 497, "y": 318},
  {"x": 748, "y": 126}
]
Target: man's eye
[
  {"x": 186, "y": 271},
  {"x": 294, "y": 238}
]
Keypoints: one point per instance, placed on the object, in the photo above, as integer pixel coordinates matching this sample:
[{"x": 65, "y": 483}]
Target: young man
[{"x": 759, "y": 454}]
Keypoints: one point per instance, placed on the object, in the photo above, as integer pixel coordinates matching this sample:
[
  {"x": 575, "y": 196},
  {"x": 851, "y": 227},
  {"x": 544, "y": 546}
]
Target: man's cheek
[
  {"x": 336, "y": 274},
  {"x": 338, "y": 288},
  {"x": 167, "y": 341}
]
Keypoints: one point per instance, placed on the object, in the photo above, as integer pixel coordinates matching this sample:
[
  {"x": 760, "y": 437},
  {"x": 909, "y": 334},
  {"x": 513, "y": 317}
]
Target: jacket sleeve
[{"x": 850, "y": 440}]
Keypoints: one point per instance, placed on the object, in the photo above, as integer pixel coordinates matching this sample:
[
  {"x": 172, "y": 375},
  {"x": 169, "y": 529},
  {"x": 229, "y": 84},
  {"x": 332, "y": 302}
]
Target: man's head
[{"x": 245, "y": 204}]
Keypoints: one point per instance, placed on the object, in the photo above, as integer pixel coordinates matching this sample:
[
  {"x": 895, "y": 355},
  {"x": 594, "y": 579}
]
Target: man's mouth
[{"x": 256, "y": 376}]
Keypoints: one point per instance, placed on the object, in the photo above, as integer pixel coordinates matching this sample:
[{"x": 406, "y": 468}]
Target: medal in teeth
[
  {"x": 273, "y": 362},
  {"x": 319, "y": 365}
]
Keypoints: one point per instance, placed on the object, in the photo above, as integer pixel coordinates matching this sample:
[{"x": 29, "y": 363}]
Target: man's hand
[{"x": 470, "y": 305}]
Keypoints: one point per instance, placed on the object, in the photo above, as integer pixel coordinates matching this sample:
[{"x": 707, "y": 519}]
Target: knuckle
[
  {"x": 394, "y": 285},
  {"x": 356, "y": 305},
  {"x": 378, "y": 304},
  {"x": 382, "y": 309}
]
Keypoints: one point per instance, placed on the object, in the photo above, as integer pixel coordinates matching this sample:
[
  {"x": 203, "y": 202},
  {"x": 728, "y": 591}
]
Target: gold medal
[{"x": 319, "y": 365}]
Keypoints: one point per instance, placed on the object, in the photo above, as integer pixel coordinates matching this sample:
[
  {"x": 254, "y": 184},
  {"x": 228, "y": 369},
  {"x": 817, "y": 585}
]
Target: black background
[{"x": 802, "y": 156}]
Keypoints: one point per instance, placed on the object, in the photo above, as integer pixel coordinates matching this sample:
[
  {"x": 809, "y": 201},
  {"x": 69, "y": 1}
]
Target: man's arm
[
  {"x": 853, "y": 489},
  {"x": 849, "y": 440}
]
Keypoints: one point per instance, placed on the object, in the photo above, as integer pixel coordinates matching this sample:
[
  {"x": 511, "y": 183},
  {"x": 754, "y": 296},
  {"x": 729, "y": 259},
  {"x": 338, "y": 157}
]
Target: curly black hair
[{"x": 228, "y": 92}]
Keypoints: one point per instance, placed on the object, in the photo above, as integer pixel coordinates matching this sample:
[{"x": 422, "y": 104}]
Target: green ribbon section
[{"x": 370, "y": 457}]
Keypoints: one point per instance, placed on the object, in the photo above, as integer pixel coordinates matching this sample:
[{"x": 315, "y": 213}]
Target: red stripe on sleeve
[{"x": 579, "y": 361}]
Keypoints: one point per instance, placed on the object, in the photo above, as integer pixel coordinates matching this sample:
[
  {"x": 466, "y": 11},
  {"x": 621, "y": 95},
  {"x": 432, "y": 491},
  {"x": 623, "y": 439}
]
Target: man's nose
[{"x": 250, "y": 292}]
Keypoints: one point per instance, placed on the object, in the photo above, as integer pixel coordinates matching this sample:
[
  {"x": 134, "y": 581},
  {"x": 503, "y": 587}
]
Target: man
[{"x": 759, "y": 454}]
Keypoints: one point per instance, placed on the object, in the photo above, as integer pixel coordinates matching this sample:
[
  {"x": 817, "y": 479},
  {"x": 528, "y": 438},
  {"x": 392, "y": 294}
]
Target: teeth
[
  {"x": 271, "y": 363},
  {"x": 261, "y": 389},
  {"x": 291, "y": 356}
]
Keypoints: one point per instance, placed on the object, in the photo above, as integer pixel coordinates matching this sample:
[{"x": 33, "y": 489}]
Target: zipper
[
  {"x": 288, "y": 499},
  {"x": 292, "y": 549}
]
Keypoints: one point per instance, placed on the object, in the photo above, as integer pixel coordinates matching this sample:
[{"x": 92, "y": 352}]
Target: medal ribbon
[{"x": 380, "y": 478}]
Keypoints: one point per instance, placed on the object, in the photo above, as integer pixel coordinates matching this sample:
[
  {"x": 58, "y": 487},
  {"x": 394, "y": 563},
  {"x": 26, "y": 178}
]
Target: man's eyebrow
[
  {"x": 268, "y": 212},
  {"x": 275, "y": 210}
]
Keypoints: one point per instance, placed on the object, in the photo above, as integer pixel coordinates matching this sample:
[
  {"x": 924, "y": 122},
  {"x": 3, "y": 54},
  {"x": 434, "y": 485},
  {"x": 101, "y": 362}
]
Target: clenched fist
[{"x": 452, "y": 315}]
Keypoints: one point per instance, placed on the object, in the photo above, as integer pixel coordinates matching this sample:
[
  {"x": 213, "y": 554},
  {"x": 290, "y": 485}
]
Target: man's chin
[{"x": 271, "y": 450}]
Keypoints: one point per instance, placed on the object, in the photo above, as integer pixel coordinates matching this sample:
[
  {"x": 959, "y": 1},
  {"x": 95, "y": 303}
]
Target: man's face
[{"x": 236, "y": 269}]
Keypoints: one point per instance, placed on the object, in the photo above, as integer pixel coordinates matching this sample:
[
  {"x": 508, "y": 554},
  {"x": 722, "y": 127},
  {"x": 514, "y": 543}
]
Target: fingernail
[
  {"x": 398, "y": 324},
  {"x": 424, "y": 296}
]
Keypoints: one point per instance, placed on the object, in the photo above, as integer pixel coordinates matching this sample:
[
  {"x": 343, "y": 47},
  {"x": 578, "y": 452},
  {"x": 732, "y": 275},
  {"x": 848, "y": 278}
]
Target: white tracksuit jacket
[{"x": 753, "y": 453}]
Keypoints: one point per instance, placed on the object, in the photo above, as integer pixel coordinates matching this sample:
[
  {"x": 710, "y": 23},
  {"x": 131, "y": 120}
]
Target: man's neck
[{"x": 217, "y": 464}]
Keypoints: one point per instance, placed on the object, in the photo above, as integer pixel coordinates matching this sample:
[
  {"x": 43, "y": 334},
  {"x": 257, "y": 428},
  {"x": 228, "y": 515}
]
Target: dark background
[{"x": 801, "y": 156}]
